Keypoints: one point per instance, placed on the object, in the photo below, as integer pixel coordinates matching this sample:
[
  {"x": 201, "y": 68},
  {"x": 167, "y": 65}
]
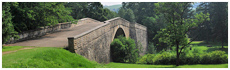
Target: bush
[
  {"x": 146, "y": 59},
  {"x": 165, "y": 58},
  {"x": 117, "y": 45},
  {"x": 215, "y": 57},
  {"x": 142, "y": 60},
  {"x": 124, "y": 50}
]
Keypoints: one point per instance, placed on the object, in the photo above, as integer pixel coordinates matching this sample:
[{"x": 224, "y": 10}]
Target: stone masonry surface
[{"x": 95, "y": 43}]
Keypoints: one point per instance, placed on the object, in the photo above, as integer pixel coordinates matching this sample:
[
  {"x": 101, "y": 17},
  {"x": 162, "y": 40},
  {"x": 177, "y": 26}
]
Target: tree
[
  {"x": 129, "y": 15},
  {"x": 32, "y": 15},
  {"x": 121, "y": 12},
  {"x": 219, "y": 19},
  {"x": 79, "y": 9},
  {"x": 179, "y": 21},
  {"x": 7, "y": 25}
]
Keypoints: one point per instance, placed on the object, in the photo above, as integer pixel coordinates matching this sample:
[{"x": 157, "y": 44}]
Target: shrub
[
  {"x": 142, "y": 60},
  {"x": 116, "y": 46},
  {"x": 215, "y": 57},
  {"x": 164, "y": 58},
  {"x": 124, "y": 50},
  {"x": 149, "y": 59}
]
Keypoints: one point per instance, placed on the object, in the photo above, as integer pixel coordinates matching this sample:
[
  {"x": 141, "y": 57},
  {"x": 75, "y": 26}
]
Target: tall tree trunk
[{"x": 177, "y": 51}]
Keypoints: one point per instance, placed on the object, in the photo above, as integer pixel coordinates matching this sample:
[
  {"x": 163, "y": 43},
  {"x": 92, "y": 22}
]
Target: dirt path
[
  {"x": 7, "y": 52},
  {"x": 58, "y": 39}
]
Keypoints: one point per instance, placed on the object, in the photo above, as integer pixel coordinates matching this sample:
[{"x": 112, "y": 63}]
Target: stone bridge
[
  {"x": 95, "y": 43},
  {"x": 89, "y": 38}
]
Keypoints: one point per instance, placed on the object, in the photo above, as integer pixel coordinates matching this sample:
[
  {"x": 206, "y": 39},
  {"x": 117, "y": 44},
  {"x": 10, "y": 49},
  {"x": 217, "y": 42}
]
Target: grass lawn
[
  {"x": 45, "y": 57},
  {"x": 125, "y": 65},
  {"x": 11, "y": 48},
  {"x": 201, "y": 45}
]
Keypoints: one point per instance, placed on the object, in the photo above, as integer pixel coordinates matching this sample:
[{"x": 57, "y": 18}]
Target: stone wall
[
  {"x": 95, "y": 43},
  {"x": 139, "y": 34},
  {"x": 25, "y": 35}
]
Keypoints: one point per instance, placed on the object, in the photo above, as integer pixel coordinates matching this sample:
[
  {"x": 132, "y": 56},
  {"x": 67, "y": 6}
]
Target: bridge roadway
[{"x": 58, "y": 39}]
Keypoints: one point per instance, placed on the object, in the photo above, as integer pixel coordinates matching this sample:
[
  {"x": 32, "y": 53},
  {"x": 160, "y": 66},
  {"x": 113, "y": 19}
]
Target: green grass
[
  {"x": 45, "y": 57},
  {"x": 202, "y": 46},
  {"x": 125, "y": 65},
  {"x": 11, "y": 48}
]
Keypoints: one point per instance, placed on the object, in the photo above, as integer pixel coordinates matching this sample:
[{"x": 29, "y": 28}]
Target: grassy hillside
[
  {"x": 114, "y": 8},
  {"x": 45, "y": 57}
]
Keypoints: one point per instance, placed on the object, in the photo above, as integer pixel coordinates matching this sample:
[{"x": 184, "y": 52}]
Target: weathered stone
[{"x": 95, "y": 44}]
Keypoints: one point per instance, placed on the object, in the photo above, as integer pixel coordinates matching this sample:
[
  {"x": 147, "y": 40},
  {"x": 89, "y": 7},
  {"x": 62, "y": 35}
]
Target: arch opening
[
  {"x": 113, "y": 49},
  {"x": 119, "y": 32}
]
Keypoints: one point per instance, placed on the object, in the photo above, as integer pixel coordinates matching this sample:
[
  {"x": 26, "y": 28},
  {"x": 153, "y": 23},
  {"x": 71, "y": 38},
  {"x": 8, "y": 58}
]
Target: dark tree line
[
  {"x": 215, "y": 30},
  {"x": 23, "y": 16}
]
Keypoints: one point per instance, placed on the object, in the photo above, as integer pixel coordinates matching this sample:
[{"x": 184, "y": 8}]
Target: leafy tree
[
  {"x": 7, "y": 25},
  {"x": 179, "y": 23},
  {"x": 154, "y": 24},
  {"x": 124, "y": 50},
  {"x": 205, "y": 27},
  {"x": 31, "y": 15},
  {"x": 121, "y": 12},
  {"x": 216, "y": 28},
  {"x": 79, "y": 9},
  {"x": 219, "y": 19},
  {"x": 129, "y": 15},
  {"x": 109, "y": 14}
]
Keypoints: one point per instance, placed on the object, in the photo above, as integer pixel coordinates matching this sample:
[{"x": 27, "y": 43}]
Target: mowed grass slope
[{"x": 45, "y": 57}]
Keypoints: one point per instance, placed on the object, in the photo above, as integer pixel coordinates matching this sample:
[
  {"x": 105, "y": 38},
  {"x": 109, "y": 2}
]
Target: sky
[{"x": 110, "y": 3}]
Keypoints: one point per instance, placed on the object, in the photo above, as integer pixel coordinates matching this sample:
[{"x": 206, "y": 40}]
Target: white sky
[{"x": 110, "y": 3}]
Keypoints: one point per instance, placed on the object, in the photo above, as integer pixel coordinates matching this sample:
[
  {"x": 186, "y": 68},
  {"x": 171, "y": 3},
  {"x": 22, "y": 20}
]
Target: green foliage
[
  {"x": 168, "y": 58},
  {"x": 146, "y": 59},
  {"x": 129, "y": 15},
  {"x": 151, "y": 48},
  {"x": 91, "y": 10},
  {"x": 122, "y": 12},
  {"x": 215, "y": 57},
  {"x": 164, "y": 58},
  {"x": 124, "y": 50},
  {"x": 7, "y": 25},
  {"x": 116, "y": 46},
  {"x": 179, "y": 19},
  {"x": 46, "y": 58},
  {"x": 32, "y": 15}
]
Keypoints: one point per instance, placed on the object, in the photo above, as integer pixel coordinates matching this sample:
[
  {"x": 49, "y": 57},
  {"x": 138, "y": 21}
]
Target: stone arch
[{"x": 119, "y": 30}]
